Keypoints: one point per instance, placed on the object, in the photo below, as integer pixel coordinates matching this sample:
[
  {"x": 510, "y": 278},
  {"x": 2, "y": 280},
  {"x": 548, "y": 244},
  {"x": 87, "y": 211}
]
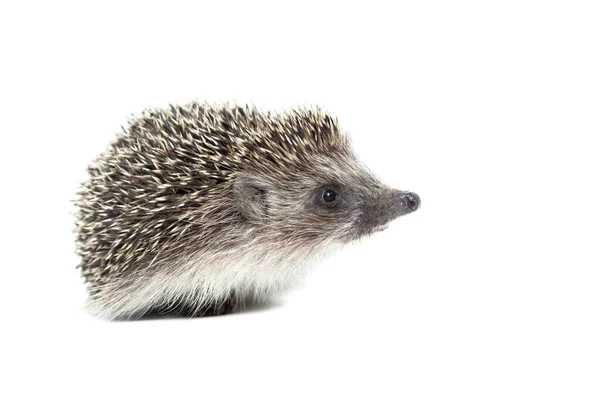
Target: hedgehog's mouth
[
  {"x": 379, "y": 228},
  {"x": 366, "y": 231}
]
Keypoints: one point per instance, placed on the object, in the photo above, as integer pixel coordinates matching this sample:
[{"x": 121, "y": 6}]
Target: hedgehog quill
[{"x": 200, "y": 209}]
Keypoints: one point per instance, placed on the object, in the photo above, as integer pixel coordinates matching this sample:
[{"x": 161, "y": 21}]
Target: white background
[{"x": 488, "y": 110}]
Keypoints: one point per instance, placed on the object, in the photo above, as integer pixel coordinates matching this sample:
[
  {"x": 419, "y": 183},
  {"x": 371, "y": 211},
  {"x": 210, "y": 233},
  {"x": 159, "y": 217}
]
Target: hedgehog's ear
[{"x": 251, "y": 197}]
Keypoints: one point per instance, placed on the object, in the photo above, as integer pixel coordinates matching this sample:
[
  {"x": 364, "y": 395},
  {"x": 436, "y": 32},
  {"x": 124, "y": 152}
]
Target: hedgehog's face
[
  {"x": 337, "y": 200},
  {"x": 357, "y": 211}
]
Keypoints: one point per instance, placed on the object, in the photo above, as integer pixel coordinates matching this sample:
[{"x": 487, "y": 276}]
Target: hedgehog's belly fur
[{"x": 202, "y": 281}]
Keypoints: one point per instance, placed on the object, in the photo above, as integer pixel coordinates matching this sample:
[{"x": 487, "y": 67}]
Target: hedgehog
[{"x": 203, "y": 209}]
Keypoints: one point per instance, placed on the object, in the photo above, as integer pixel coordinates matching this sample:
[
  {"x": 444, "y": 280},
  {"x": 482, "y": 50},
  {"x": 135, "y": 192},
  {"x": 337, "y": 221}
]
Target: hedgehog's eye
[{"x": 328, "y": 196}]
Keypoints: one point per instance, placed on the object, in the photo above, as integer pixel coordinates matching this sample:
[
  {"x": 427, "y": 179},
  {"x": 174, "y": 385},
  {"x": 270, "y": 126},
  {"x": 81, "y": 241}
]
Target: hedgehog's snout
[
  {"x": 385, "y": 207},
  {"x": 410, "y": 201},
  {"x": 404, "y": 203}
]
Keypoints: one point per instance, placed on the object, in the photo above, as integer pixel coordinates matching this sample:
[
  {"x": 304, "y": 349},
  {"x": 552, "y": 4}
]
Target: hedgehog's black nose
[{"x": 412, "y": 201}]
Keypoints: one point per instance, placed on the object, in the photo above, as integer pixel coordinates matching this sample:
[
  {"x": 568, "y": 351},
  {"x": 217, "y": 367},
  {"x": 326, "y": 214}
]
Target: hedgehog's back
[{"x": 143, "y": 193}]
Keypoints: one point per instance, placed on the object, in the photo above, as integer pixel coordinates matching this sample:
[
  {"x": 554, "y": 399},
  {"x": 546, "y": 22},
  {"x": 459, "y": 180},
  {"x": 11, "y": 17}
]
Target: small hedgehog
[{"x": 200, "y": 209}]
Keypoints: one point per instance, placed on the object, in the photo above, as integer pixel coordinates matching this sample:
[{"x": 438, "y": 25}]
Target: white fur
[{"x": 201, "y": 280}]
